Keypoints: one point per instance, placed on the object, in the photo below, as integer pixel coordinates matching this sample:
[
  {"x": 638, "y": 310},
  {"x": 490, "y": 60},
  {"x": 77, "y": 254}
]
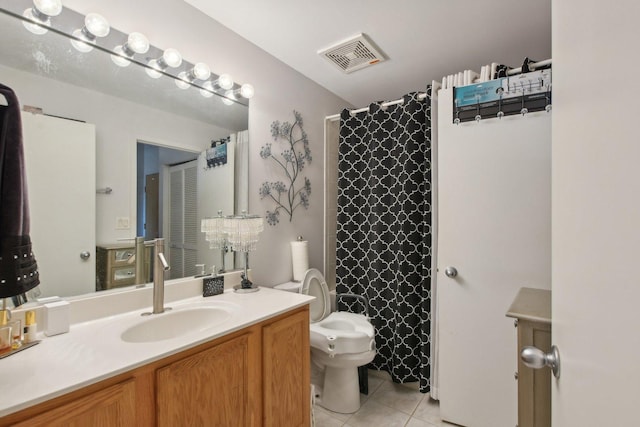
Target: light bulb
[
  {"x": 40, "y": 14},
  {"x": 120, "y": 57},
  {"x": 247, "y": 91},
  {"x": 154, "y": 71},
  {"x": 94, "y": 26},
  {"x": 201, "y": 71},
  {"x": 97, "y": 25},
  {"x": 82, "y": 46},
  {"x": 48, "y": 7},
  {"x": 207, "y": 89},
  {"x": 38, "y": 29},
  {"x": 229, "y": 97},
  {"x": 225, "y": 81},
  {"x": 138, "y": 43},
  {"x": 172, "y": 58},
  {"x": 183, "y": 80}
]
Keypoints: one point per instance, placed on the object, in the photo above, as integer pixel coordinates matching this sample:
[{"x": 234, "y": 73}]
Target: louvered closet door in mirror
[{"x": 183, "y": 220}]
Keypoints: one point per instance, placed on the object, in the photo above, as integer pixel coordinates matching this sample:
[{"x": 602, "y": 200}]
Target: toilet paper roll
[{"x": 299, "y": 259}]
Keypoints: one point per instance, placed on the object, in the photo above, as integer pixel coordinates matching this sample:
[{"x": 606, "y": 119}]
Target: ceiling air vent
[{"x": 353, "y": 54}]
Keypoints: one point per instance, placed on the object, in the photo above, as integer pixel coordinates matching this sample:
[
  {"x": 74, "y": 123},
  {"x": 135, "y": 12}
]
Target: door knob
[
  {"x": 535, "y": 358},
  {"x": 85, "y": 255},
  {"x": 451, "y": 272}
]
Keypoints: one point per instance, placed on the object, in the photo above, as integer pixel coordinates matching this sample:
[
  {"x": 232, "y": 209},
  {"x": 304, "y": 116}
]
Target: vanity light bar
[{"x": 95, "y": 25}]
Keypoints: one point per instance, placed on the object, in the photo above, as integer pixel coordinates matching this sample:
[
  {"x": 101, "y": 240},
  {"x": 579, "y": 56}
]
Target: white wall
[
  {"x": 596, "y": 212},
  {"x": 279, "y": 90}
]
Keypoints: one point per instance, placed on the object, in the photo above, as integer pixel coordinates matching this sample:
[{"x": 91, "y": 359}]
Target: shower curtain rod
[
  {"x": 532, "y": 65},
  {"x": 421, "y": 96}
]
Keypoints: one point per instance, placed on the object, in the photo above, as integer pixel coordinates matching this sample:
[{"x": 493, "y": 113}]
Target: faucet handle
[
  {"x": 163, "y": 261},
  {"x": 153, "y": 242}
]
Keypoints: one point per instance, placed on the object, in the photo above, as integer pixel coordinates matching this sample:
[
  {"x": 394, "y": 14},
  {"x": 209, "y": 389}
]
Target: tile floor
[{"x": 387, "y": 405}]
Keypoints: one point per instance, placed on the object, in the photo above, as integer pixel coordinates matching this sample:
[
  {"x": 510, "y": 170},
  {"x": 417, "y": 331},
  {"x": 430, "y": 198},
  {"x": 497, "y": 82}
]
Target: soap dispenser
[{"x": 213, "y": 284}]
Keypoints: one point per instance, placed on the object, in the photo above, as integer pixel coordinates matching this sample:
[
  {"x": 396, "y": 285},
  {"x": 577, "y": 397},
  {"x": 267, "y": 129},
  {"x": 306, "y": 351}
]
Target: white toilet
[{"x": 340, "y": 342}]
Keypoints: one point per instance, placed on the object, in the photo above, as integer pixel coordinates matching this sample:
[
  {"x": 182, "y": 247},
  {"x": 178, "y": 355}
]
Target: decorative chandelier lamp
[
  {"x": 213, "y": 229},
  {"x": 242, "y": 234}
]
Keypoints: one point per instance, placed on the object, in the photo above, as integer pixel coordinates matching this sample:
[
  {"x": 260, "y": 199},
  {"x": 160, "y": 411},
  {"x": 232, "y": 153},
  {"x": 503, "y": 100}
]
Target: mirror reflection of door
[
  {"x": 61, "y": 177},
  {"x": 152, "y": 205},
  {"x": 183, "y": 219},
  {"x": 153, "y": 200}
]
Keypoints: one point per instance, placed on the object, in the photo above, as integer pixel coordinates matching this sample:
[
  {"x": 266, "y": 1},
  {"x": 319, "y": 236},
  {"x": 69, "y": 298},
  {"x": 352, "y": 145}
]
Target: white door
[
  {"x": 183, "y": 220},
  {"x": 61, "y": 180},
  {"x": 494, "y": 227},
  {"x": 596, "y": 217},
  {"x": 213, "y": 195}
]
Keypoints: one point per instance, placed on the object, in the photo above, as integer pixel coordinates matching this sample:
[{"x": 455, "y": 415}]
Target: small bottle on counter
[{"x": 30, "y": 326}]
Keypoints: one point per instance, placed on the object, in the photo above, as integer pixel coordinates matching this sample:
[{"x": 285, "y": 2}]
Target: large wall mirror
[{"x": 116, "y": 154}]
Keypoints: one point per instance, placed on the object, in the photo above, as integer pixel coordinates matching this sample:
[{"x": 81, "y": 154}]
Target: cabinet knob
[
  {"x": 85, "y": 255},
  {"x": 535, "y": 358}
]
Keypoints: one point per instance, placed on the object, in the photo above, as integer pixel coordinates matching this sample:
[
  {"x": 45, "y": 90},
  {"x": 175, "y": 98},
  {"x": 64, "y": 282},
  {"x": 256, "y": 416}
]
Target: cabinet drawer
[
  {"x": 122, "y": 256},
  {"x": 122, "y": 276}
]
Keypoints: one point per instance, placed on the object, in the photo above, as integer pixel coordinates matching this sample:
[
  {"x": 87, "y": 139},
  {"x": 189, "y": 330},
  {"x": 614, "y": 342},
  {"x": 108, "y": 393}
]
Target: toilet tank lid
[{"x": 289, "y": 286}]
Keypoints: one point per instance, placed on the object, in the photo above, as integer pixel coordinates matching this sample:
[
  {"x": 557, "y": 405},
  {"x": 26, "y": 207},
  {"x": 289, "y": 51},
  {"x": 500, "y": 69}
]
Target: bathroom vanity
[
  {"x": 250, "y": 368},
  {"x": 116, "y": 265},
  {"x": 532, "y": 310}
]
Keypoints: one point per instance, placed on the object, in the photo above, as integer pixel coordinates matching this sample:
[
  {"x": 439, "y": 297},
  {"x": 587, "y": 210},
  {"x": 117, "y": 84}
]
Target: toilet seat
[
  {"x": 314, "y": 285},
  {"x": 338, "y": 332},
  {"x": 342, "y": 333}
]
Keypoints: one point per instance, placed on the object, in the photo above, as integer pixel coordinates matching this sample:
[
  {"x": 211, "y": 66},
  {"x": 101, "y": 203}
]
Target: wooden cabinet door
[
  {"x": 534, "y": 385},
  {"x": 215, "y": 387},
  {"x": 286, "y": 381},
  {"x": 112, "y": 406}
]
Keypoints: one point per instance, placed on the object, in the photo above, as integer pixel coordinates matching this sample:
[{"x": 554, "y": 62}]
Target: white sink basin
[{"x": 175, "y": 323}]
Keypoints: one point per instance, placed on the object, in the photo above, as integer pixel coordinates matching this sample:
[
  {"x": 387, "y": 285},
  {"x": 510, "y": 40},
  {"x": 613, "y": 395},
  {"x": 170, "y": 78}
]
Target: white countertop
[
  {"x": 93, "y": 350},
  {"x": 532, "y": 304}
]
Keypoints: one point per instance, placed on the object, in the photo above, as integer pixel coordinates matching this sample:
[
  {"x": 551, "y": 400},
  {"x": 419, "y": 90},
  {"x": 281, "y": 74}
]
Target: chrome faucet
[{"x": 160, "y": 265}]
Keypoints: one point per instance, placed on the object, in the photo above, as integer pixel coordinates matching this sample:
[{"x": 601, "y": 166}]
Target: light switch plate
[{"x": 122, "y": 223}]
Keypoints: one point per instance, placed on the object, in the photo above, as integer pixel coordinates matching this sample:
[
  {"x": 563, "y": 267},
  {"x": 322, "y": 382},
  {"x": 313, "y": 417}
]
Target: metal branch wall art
[{"x": 290, "y": 193}]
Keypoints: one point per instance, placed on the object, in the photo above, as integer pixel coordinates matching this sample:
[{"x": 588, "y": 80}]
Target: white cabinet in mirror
[{"x": 129, "y": 130}]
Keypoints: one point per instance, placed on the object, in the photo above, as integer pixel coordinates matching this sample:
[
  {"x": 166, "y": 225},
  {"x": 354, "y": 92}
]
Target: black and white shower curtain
[{"x": 384, "y": 230}]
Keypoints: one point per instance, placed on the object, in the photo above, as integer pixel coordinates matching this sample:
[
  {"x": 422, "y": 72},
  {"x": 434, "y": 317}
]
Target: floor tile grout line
[{"x": 376, "y": 402}]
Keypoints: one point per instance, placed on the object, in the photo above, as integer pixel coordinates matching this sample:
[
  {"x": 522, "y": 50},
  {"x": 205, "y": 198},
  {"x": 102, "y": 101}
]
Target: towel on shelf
[{"x": 18, "y": 267}]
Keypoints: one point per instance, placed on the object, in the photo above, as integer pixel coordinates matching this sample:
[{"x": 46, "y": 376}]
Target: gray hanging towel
[{"x": 18, "y": 267}]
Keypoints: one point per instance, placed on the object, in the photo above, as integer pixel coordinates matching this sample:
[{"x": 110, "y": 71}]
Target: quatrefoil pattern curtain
[{"x": 384, "y": 230}]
